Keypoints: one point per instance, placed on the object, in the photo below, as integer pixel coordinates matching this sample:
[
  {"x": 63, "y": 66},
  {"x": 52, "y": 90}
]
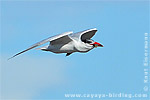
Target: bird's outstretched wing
[
  {"x": 83, "y": 35},
  {"x": 63, "y": 40},
  {"x": 44, "y": 41}
]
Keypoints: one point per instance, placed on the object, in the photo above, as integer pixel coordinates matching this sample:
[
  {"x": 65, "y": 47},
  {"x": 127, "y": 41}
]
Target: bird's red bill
[{"x": 98, "y": 44}]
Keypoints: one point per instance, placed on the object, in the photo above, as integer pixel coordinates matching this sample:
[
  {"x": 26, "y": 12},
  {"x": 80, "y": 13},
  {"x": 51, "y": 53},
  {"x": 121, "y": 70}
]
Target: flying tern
[{"x": 68, "y": 43}]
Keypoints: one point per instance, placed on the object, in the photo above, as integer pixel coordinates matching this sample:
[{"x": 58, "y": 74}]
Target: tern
[{"x": 68, "y": 43}]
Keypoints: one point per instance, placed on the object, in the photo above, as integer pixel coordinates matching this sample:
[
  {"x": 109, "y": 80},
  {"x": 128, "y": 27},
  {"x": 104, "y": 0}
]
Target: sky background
[{"x": 117, "y": 67}]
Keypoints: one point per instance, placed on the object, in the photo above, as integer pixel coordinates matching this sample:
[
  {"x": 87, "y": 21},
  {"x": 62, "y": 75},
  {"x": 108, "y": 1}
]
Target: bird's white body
[
  {"x": 59, "y": 48},
  {"x": 73, "y": 46},
  {"x": 68, "y": 42}
]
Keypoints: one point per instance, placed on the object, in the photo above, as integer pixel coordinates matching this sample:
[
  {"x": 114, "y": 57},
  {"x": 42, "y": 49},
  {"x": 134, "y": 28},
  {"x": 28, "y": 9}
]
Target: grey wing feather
[
  {"x": 87, "y": 34},
  {"x": 42, "y": 42},
  {"x": 63, "y": 40}
]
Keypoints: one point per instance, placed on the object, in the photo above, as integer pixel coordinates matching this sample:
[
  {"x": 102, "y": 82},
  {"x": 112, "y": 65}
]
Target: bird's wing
[
  {"x": 63, "y": 40},
  {"x": 87, "y": 34},
  {"x": 43, "y": 41}
]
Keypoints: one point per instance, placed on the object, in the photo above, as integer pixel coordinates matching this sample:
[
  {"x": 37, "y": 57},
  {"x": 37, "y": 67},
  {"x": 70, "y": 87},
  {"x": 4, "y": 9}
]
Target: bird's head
[{"x": 95, "y": 44}]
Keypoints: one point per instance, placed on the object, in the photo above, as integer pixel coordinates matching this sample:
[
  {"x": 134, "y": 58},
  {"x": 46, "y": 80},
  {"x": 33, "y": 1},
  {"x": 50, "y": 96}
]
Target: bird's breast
[{"x": 83, "y": 47}]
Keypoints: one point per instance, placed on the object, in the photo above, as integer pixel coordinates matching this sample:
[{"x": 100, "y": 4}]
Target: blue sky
[{"x": 118, "y": 67}]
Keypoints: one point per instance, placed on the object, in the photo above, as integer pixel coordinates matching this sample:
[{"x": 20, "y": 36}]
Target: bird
[{"x": 67, "y": 42}]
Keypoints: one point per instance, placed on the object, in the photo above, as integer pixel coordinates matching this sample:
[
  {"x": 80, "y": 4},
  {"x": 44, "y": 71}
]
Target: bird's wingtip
[
  {"x": 92, "y": 29},
  {"x": 10, "y": 58}
]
